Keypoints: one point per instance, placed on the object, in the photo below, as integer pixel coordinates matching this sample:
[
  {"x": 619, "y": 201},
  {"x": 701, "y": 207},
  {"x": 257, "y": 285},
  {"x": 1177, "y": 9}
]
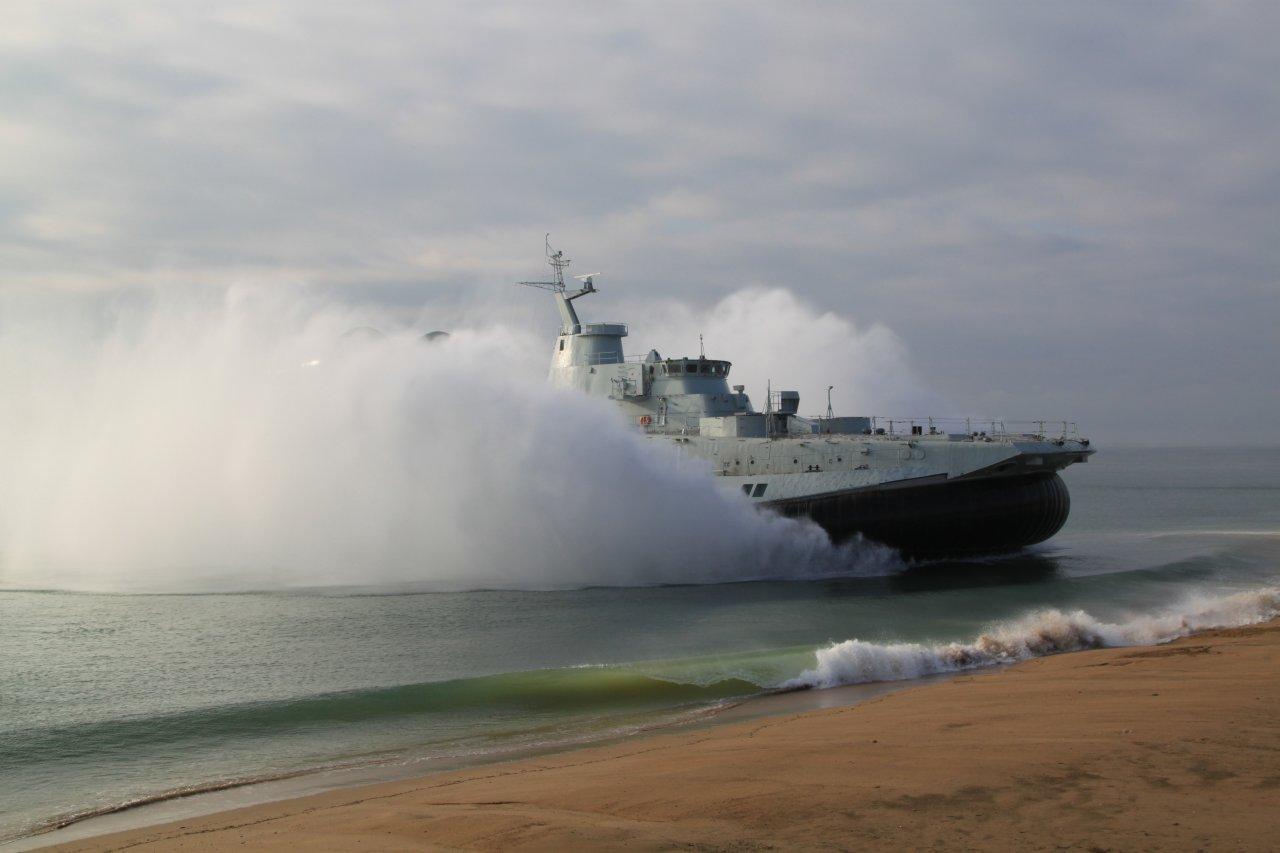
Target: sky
[{"x": 1061, "y": 210}]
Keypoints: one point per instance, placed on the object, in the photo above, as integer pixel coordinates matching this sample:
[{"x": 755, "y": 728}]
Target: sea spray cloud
[
  {"x": 1043, "y": 632},
  {"x": 772, "y": 335},
  {"x": 242, "y": 440}
]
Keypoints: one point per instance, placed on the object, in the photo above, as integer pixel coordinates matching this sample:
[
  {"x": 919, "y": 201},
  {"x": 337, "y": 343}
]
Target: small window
[
  {"x": 562, "y": 345},
  {"x": 760, "y": 487},
  {"x": 746, "y": 489},
  {"x": 706, "y": 368}
]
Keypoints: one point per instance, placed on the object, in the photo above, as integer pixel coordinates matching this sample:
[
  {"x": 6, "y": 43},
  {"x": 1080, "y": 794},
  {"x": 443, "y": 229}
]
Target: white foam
[
  {"x": 239, "y": 441},
  {"x": 1043, "y": 632}
]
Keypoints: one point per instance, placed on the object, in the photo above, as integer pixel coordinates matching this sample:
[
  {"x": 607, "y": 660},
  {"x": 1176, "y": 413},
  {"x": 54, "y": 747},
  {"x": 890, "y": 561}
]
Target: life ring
[{"x": 645, "y": 420}]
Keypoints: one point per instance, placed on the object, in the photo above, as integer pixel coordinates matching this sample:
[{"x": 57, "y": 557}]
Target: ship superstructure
[{"x": 927, "y": 486}]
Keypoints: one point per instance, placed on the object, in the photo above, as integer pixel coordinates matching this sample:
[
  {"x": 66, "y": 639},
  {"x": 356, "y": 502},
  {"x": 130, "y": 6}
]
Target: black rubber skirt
[{"x": 959, "y": 517}]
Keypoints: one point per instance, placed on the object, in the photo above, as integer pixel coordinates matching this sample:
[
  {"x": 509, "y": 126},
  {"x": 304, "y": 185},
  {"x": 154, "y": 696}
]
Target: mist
[
  {"x": 246, "y": 439},
  {"x": 773, "y": 336}
]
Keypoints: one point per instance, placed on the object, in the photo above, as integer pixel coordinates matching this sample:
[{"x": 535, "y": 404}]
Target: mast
[{"x": 569, "y": 324}]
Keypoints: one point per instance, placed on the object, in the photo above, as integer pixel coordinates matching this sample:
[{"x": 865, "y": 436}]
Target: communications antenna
[
  {"x": 564, "y": 299},
  {"x": 768, "y": 409},
  {"x": 559, "y": 263}
]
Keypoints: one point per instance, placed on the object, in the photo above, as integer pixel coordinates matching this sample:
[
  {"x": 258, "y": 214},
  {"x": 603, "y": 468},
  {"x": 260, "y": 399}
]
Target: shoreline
[
  {"x": 1176, "y": 745},
  {"x": 230, "y": 794}
]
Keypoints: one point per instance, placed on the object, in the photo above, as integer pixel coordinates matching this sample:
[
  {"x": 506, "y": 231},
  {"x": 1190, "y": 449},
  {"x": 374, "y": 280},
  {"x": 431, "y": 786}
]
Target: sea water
[{"x": 107, "y": 699}]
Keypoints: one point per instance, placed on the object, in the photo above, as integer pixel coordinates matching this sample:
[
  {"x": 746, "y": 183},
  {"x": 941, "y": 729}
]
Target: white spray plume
[
  {"x": 772, "y": 335},
  {"x": 241, "y": 441},
  {"x": 1041, "y": 633}
]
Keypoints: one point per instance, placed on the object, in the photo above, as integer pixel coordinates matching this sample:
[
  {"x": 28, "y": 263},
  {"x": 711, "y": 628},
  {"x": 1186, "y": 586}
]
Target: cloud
[{"x": 1060, "y": 209}]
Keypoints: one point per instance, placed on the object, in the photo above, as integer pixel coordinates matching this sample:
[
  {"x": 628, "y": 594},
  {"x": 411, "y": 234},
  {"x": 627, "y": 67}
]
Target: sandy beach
[{"x": 1169, "y": 747}]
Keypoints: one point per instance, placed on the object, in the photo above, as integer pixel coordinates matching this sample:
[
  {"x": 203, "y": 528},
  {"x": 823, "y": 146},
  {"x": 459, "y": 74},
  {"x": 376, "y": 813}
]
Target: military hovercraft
[{"x": 926, "y": 486}]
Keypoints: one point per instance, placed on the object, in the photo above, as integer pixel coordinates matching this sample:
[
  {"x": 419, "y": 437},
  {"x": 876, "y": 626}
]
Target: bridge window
[
  {"x": 760, "y": 487},
  {"x": 746, "y": 489},
  {"x": 562, "y": 345}
]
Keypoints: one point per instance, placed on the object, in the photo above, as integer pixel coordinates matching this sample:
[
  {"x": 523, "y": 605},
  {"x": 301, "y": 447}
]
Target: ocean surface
[{"x": 107, "y": 699}]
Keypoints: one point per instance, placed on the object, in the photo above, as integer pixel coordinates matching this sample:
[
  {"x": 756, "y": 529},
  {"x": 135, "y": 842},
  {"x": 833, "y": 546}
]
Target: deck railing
[
  {"x": 993, "y": 428},
  {"x": 972, "y": 429},
  {"x": 611, "y": 357}
]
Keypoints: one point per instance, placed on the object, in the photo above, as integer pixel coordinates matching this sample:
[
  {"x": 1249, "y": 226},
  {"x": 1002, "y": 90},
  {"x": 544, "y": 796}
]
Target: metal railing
[
  {"x": 964, "y": 429},
  {"x": 611, "y": 357},
  {"x": 997, "y": 429},
  {"x": 596, "y": 323}
]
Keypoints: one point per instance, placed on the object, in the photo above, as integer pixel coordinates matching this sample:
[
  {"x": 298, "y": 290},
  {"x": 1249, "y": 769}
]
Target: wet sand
[{"x": 1171, "y": 747}]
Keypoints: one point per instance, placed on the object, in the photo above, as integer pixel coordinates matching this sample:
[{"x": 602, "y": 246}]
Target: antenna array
[{"x": 559, "y": 263}]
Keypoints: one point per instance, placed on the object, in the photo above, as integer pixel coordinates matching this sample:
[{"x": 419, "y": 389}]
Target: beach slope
[{"x": 1168, "y": 747}]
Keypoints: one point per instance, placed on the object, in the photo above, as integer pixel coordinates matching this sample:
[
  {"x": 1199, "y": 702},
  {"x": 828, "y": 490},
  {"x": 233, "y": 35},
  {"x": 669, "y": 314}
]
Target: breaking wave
[{"x": 1044, "y": 632}]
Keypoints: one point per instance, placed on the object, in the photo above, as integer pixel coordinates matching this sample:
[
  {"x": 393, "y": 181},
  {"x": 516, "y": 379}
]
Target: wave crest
[{"x": 1041, "y": 633}]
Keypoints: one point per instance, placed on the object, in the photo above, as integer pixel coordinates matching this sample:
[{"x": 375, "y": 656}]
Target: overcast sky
[{"x": 1062, "y": 209}]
